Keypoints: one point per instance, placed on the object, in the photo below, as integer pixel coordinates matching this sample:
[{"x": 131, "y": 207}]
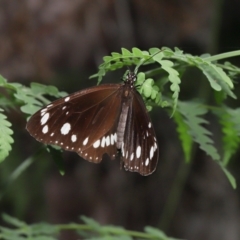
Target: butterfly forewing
[
  {"x": 84, "y": 122},
  {"x": 140, "y": 148}
]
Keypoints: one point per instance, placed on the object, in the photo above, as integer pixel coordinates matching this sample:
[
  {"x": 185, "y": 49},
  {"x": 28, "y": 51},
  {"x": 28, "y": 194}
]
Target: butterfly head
[{"x": 131, "y": 78}]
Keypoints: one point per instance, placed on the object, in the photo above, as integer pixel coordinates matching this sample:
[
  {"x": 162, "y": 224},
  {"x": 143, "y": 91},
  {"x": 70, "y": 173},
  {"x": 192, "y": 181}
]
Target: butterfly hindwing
[
  {"x": 140, "y": 148},
  {"x": 84, "y": 122}
]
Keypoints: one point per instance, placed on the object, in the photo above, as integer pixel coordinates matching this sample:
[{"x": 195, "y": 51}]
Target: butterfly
[{"x": 109, "y": 118}]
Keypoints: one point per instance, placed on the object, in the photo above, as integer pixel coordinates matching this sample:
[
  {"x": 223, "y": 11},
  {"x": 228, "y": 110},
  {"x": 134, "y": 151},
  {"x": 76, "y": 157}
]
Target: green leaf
[
  {"x": 40, "y": 89},
  {"x": 30, "y": 108},
  {"x": 43, "y": 228},
  {"x": 33, "y": 98},
  {"x": 192, "y": 113},
  {"x": 147, "y": 87},
  {"x": 140, "y": 78},
  {"x": 13, "y": 221},
  {"x": 137, "y": 52},
  {"x": 173, "y": 78},
  {"x": 155, "y": 232},
  {"x": 230, "y": 177},
  {"x": 44, "y": 238},
  {"x": 107, "y": 58},
  {"x": 155, "y": 94},
  {"x": 3, "y": 81},
  {"x": 9, "y": 234},
  {"x": 186, "y": 139},
  {"x": 6, "y": 139},
  {"x": 22, "y": 231},
  {"x": 229, "y": 120},
  {"x": 158, "y": 56},
  {"x": 126, "y": 52},
  {"x": 94, "y": 224},
  {"x": 153, "y": 51},
  {"x": 115, "y": 55},
  {"x": 217, "y": 77},
  {"x": 29, "y": 100}
]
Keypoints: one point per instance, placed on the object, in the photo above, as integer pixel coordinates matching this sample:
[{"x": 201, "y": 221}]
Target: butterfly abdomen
[{"x": 122, "y": 125}]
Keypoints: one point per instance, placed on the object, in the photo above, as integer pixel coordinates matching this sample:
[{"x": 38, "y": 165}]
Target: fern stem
[
  {"x": 116, "y": 232},
  {"x": 223, "y": 56}
]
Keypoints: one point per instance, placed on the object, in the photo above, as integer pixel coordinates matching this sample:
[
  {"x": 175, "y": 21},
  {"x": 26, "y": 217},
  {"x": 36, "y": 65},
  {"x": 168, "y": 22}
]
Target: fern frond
[
  {"x": 118, "y": 60},
  {"x": 217, "y": 78},
  {"x": 230, "y": 177},
  {"x": 33, "y": 98},
  {"x": 192, "y": 113},
  {"x": 6, "y": 139},
  {"x": 231, "y": 132},
  {"x": 91, "y": 229},
  {"x": 186, "y": 139},
  {"x": 173, "y": 77}
]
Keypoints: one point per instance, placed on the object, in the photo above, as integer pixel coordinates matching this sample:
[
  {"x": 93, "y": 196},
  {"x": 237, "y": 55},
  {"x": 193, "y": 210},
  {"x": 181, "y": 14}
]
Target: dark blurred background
[{"x": 61, "y": 42}]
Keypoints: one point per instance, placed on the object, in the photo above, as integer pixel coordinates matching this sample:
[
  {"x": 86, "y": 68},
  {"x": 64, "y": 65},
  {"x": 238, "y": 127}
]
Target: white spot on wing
[
  {"x": 123, "y": 153},
  {"x": 45, "y": 118},
  {"x": 65, "y": 128},
  {"x": 52, "y": 134},
  {"x": 149, "y": 125},
  {"x": 45, "y": 129},
  {"x": 103, "y": 142},
  {"x": 147, "y": 162},
  {"x": 66, "y": 99},
  {"x": 115, "y": 137},
  {"x": 132, "y": 156},
  {"x": 74, "y": 138},
  {"x": 155, "y": 147},
  {"x": 151, "y": 153},
  {"x": 138, "y": 151},
  {"x": 49, "y": 105},
  {"x": 107, "y": 141},
  {"x": 96, "y": 144},
  {"x": 85, "y": 141},
  {"x": 43, "y": 111},
  {"x": 63, "y": 107},
  {"x": 112, "y": 139}
]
